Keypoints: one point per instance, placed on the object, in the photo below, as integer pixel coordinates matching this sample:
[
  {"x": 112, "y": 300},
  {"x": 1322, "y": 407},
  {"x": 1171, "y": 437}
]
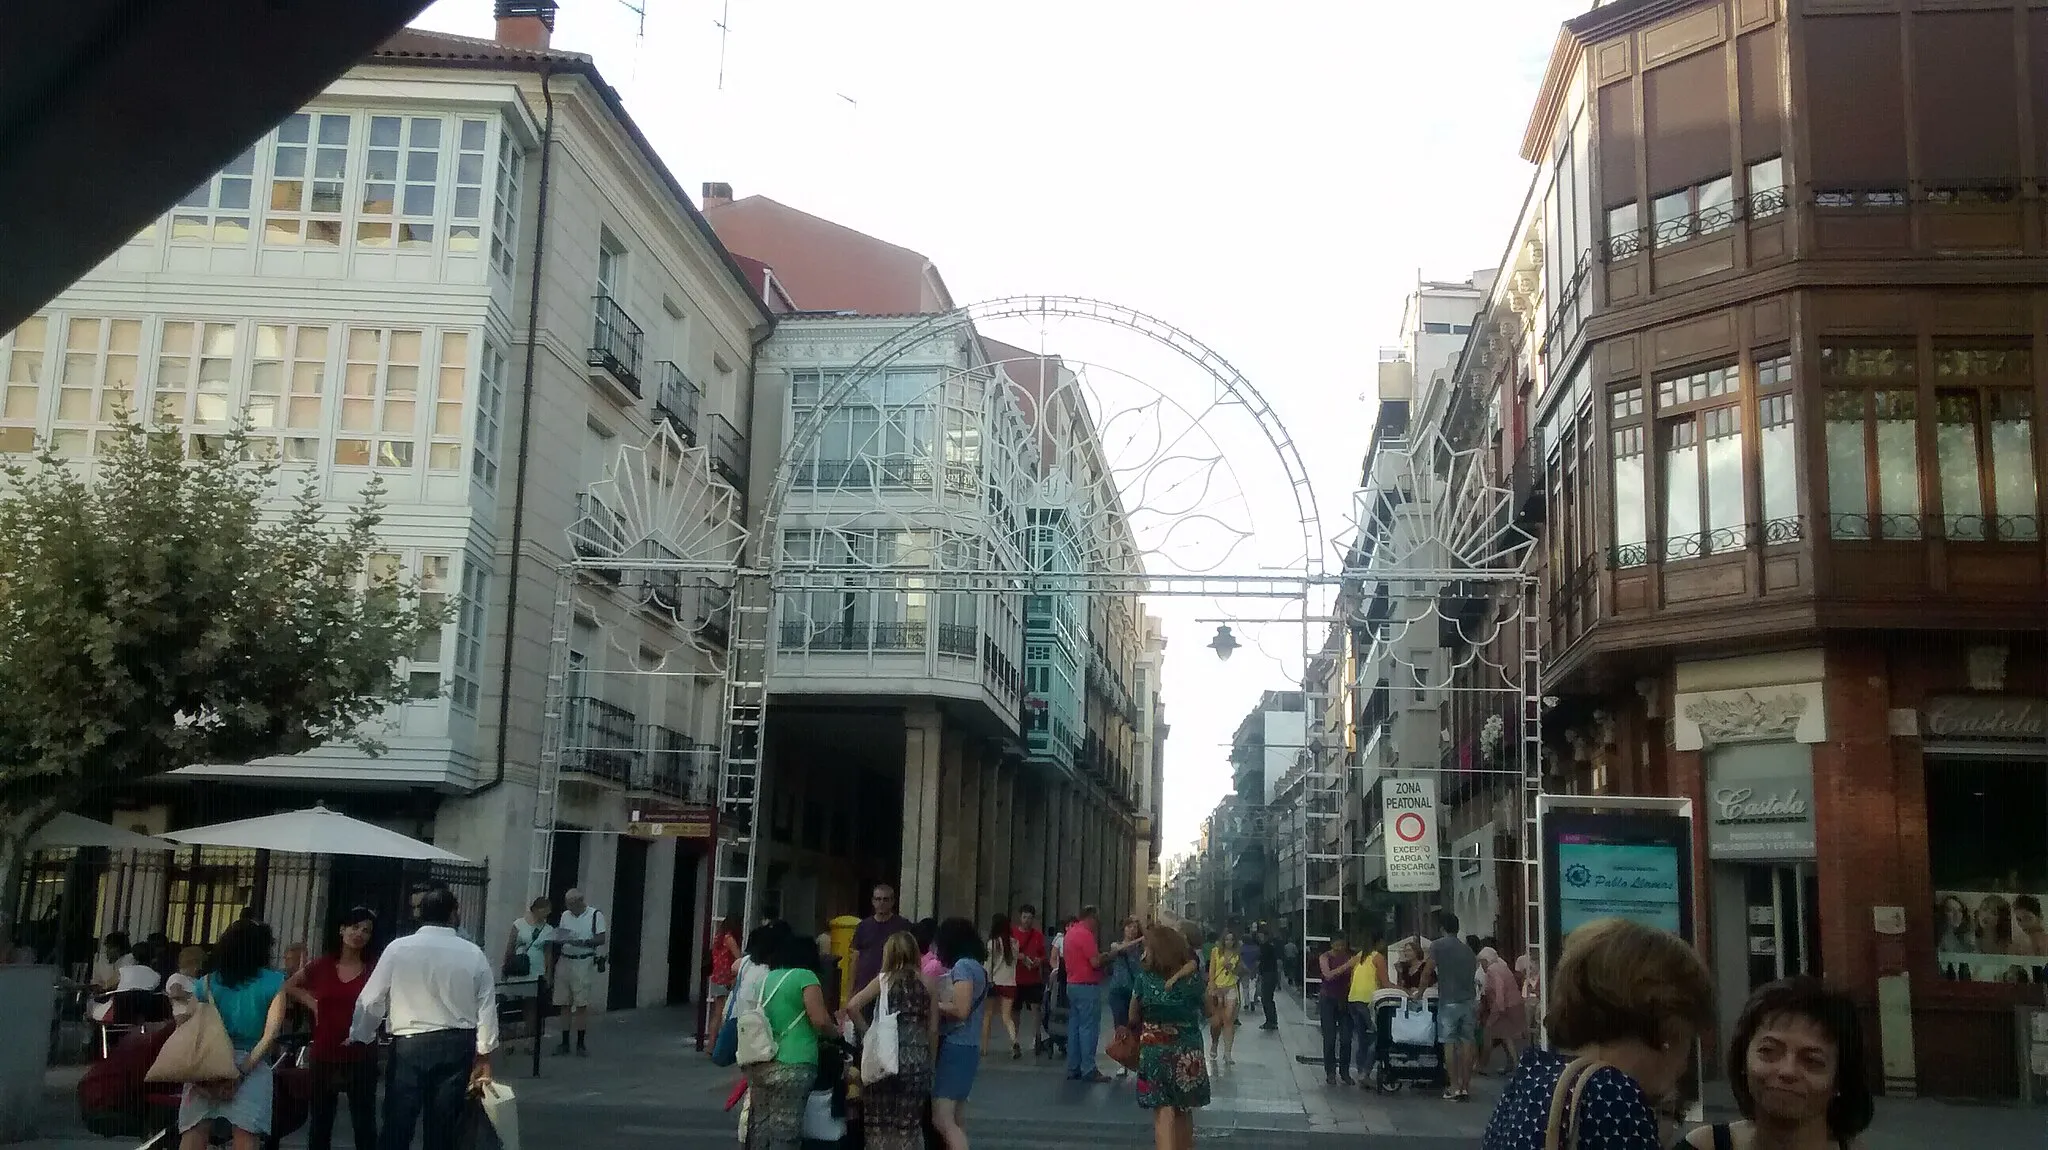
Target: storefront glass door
[{"x": 1783, "y": 926}]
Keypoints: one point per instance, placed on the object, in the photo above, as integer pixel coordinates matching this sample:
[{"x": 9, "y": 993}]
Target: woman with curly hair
[{"x": 1166, "y": 1006}]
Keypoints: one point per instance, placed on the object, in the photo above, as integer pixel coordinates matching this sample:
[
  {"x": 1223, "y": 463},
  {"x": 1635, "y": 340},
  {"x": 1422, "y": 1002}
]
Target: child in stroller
[{"x": 1408, "y": 1051}]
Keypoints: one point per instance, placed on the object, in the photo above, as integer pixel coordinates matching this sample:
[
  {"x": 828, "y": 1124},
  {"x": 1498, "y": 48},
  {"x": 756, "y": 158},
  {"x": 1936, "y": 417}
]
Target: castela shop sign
[{"x": 1986, "y": 717}]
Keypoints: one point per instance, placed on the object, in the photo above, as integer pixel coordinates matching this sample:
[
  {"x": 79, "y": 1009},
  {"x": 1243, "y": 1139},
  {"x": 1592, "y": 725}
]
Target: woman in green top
[
  {"x": 1173, "y": 1079},
  {"x": 794, "y": 1002}
]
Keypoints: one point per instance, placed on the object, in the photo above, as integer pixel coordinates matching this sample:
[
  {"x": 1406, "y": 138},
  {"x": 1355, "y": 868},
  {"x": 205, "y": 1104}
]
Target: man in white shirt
[
  {"x": 435, "y": 992},
  {"x": 579, "y": 937}
]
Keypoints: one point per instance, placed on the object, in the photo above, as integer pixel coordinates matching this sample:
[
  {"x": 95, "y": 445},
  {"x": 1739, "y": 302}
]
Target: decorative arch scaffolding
[
  {"x": 1446, "y": 607},
  {"x": 1066, "y": 500}
]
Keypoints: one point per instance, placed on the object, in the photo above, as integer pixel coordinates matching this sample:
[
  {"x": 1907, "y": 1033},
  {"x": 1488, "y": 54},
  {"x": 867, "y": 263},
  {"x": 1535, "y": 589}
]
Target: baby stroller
[
  {"x": 1056, "y": 1015},
  {"x": 1408, "y": 1052}
]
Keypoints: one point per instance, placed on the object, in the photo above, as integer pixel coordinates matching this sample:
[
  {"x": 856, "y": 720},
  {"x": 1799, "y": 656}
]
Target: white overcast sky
[{"x": 1270, "y": 176}]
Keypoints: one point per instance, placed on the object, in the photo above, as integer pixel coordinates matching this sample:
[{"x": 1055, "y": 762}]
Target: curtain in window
[
  {"x": 2012, "y": 464},
  {"x": 1898, "y": 463},
  {"x": 1955, "y": 446},
  {"x": 1848, "y": 465}
]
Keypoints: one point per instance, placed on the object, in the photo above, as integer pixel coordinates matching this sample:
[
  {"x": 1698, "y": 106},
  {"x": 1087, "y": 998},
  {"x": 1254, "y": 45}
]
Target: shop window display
[{"x": 1987, "y": 825}]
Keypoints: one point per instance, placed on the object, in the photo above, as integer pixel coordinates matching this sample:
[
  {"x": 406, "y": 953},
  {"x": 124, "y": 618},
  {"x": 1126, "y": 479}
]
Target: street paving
[{"x": 645, "y": 1085}]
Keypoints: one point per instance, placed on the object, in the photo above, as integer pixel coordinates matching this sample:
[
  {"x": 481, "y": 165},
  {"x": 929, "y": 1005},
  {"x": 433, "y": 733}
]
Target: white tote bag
[
  {"x": 499, "y": 1107},
  {"x": 819, "y": 1125},
  {"x": 1413, "y": 1025},
  {"x": 879, "y": 1052}
]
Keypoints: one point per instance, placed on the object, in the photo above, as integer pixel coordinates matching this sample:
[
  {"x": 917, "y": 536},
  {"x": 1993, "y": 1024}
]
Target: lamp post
[{"x": 1224, "y": 643}]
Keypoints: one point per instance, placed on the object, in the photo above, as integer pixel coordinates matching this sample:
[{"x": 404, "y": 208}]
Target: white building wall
[{"x": 454, "y": 500}]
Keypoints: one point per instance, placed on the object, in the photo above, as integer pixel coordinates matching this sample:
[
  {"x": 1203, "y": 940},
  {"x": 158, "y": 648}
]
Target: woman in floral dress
[
  {"x": 892, "y": 1110},
  {"x": 1173, "y": 1078}
]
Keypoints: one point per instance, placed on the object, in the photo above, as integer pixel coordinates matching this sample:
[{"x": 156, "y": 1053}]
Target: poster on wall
[{"x": 1989, "y": 936}]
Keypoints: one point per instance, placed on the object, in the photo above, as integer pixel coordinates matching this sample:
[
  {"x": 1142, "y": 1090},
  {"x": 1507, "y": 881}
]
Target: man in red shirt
[
  {"x": 1082, "y": 959},
  {"x": 1030, "y": 942}
]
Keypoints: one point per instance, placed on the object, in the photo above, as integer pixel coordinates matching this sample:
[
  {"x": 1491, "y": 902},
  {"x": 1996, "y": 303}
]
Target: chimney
[
  {"x": 716, "y": 195},
  {"x": 526, "y": 23}
]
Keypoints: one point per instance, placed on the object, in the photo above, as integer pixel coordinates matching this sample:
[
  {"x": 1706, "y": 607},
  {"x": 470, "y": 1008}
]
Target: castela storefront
[{"x": 1875, "y": 812}]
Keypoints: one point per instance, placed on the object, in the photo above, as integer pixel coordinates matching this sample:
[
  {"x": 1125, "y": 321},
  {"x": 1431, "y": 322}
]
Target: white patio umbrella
[
  {"x": 69, "y": 830},
  {"x": 317, "y": 831}
]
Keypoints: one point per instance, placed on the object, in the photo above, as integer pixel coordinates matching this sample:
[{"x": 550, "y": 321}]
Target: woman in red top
[
  {"x": 725, "y": 951},
  {"x": 328, "y": 987}
]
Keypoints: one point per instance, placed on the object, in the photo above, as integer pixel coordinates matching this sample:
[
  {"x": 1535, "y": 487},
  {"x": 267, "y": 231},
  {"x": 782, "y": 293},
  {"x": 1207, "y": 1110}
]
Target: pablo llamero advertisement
[{"x": 1602, "y": 864}]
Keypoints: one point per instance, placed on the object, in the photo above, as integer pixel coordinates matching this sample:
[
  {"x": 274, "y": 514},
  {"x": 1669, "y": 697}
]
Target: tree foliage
[{"x": 158, "y": 612}]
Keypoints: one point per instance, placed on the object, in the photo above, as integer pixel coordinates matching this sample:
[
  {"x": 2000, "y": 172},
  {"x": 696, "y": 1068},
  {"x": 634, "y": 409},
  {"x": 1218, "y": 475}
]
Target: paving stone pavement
[{"x": 645, "y": 1083}]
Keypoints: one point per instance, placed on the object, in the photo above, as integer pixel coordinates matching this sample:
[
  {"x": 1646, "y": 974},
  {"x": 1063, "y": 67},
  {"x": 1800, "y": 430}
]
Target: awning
[
  {"x": 317, "y": 831},
  {"x": 69, "y": 830}
]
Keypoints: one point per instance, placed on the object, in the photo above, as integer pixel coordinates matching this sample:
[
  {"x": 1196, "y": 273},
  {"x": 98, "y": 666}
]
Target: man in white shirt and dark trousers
[
  {"x": 579, "y": 936},
  {"x": 435, "y": 992}
]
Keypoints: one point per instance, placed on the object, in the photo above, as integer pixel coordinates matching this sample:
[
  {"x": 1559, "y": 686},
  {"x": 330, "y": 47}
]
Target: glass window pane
[
  {"x": 294, "y": 128},
  {"x": 1955, "y": 446},
  {"x": 1725, "y": 514},
  {"x": 1898, "y": 463},
  {"x": 2012, "y": 464},
  {"x": 1668, "y": 215},
  {"x": 1681, "y": 489},
  {"x": 384, "y": 131},
  {"x": 1717, "y": 199},
  {"x": 1767, "y": 176},
  {"x": 1631, "y": 518},
  {"x": 1778, "y": 457},
  {"x": 426, "y": 133}
]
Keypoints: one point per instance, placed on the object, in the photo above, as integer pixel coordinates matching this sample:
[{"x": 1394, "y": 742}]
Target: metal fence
[{"x": 67, "y": 899}]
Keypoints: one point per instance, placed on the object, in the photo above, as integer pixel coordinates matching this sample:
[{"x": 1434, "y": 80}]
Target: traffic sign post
[{"x": 1408, "y": 810}]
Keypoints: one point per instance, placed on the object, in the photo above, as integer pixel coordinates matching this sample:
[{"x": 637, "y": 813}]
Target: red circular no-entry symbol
[{"x": 1408, "y": 827}]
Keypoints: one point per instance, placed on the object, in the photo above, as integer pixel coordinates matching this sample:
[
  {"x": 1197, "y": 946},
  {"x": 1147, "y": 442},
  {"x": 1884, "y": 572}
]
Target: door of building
[
  {"x": 1781, "y": 904},
  {"x": 629, "y": 900}
]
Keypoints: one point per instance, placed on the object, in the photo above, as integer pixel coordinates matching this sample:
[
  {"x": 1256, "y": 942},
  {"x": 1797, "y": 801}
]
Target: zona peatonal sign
[{"x": 1408, "y": 814}]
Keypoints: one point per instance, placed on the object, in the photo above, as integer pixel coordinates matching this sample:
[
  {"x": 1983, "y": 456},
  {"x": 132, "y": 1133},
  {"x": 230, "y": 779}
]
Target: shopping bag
[
  {"x": 879, "y": 1052},
  {"x": 1413, "y": 1025},
  {"x": 819, "y": 1124},
  {"x": 197, "y": 1051},
  {"x": 500, "y": 1107},
  {"x": 475, "y": 1131}
]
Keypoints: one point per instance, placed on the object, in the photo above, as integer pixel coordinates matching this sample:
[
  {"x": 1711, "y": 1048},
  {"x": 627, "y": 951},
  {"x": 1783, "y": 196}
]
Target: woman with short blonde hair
[{"x": 1627, "y": 1001}]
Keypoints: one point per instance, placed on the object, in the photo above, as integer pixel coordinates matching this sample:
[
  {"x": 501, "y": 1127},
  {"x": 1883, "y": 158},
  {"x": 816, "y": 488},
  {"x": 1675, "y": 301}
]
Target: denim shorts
[
  {"x": 954, "y": 1069},
  {"x": 1457, "y": 1022}
]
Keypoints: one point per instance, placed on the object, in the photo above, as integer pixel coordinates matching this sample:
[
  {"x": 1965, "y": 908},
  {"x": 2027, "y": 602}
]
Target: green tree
[{"x": 161, "y": 612}]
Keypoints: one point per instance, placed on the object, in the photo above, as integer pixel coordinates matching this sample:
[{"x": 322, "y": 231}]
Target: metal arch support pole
[{"x": 553, "y": 736}]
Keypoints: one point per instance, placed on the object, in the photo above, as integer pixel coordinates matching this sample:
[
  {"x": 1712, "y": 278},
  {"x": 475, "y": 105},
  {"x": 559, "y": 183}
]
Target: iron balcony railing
[
  {"x": 728, "y": 451},
  {"x": 676, "y": 400},
  {"x": 673, "y": 766},
  {"x": 600, "y": 740},
  {"x": 615, "y": 343},
  {"x": 956, "y": 639}
]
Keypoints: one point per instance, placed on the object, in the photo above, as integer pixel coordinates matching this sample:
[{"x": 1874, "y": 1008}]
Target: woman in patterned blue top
[{"x": 1626, "y": 1003}]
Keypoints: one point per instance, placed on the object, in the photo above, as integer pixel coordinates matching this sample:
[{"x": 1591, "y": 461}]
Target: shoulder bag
[
  {"x": 758, "y": 1040},
  {"x": 881, "y": 1051},
  {"x": 1124, "y": 1041},
  {"x": 1566, "y": 1100},
  {"x": 199, "y": 1049}
]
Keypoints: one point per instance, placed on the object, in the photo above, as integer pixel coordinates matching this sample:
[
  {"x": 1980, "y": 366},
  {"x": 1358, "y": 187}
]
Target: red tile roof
[{"x": 828, "y": 266}]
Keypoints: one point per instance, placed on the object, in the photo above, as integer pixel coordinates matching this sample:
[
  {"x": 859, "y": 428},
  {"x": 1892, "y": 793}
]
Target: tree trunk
[{"x": 17, "y": 827}]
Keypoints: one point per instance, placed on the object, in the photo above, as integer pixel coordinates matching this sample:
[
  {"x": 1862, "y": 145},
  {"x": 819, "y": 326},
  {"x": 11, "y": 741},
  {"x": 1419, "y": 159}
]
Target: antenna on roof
[
  {"x": 724, "y": 22},
  {"x": 639, "y": 10}
]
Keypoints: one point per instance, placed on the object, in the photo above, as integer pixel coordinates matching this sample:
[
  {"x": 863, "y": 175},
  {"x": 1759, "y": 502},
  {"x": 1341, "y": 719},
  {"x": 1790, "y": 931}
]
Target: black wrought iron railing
[
  {"x": 850, "y": 636},
  {"x": 1859, "y": 198},
  {"x": 1704, "y": 222},
  {"x": 1960, "y": 193},
  {"x": 598, "y": 740},
  {"x": 1770, "y": 533},
  {"x": 899, "y": 636},
  {"x": 887, "y": 471},
  {"x": 1765, "y": 203},
  {"x": 673, "y": 766},
  {"x": 1991, "y": 528},
  {"x": 1626, "y": 245},
  {"x": 615, "y": 343},
  {"x": 957, "y": 639},
  {"x": 676, "y": 400},
  {"x": 728, "y": 451}
]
